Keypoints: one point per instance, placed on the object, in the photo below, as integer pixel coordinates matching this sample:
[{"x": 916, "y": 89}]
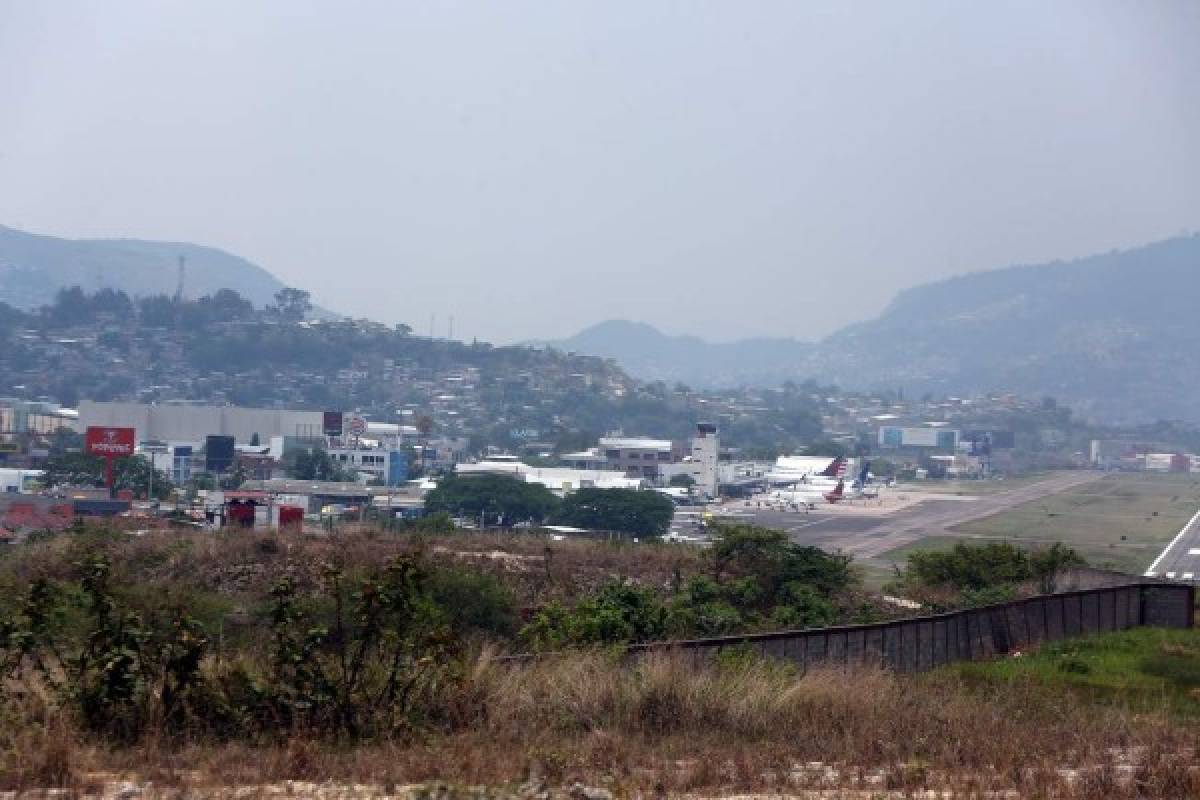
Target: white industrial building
[
  {"x": 560, "y": 480},
  {"x": 192, "y": 423},
  {"x": 657, "y": 461}
]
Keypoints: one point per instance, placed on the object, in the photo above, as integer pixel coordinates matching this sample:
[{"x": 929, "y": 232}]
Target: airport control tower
[{"x": 706, "y": 446}]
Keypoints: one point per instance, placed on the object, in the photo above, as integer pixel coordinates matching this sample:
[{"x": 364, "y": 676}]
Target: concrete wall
[
  {"x": 173, "y": 423},
  {"x": 918, "y": 644}
]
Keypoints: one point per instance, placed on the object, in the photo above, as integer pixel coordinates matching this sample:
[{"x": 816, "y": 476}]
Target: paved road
[
  {"x": 1181, "y": 558},
  {"x": 870, "y": 536}
]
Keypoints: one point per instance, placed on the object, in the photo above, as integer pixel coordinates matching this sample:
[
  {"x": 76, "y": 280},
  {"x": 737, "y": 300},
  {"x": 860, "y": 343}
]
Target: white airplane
[
  {"x": 678, "y": 494},
  {"x": 859, "y": 488},
  {"x": 805, "y": 469},
  {"x": 809, "y": 497}
]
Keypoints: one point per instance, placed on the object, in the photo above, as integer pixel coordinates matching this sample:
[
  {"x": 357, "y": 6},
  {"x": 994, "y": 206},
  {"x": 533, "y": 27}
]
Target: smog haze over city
[{"x": 719, "y": 169}]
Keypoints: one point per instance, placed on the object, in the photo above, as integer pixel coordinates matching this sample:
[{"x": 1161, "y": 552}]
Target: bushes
[
  {"x": 970, "y": 575},
  {"x": 620, "y": 612},
  {"x": 356, "y": 658},
  {"x": 758, "y": 580},
  {"x": 474, "y": 602}
]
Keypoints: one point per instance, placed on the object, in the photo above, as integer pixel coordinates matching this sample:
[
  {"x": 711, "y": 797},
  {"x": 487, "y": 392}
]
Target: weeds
[{"x": 348, "y": 665}]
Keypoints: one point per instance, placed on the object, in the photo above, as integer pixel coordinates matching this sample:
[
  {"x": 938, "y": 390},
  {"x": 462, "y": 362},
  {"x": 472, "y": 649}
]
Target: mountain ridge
[
  {"x": 34, "y": 266},
  {"x": 647, "y": 352},
  {"x": 1110, "y": 333}
]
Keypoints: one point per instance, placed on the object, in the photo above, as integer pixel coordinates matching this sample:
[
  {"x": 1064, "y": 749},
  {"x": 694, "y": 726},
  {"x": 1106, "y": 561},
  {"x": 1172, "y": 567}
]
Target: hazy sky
[{"x": 726, "y": 169}]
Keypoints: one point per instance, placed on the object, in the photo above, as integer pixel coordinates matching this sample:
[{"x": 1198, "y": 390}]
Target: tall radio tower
[{"x": 179, "y": 278}]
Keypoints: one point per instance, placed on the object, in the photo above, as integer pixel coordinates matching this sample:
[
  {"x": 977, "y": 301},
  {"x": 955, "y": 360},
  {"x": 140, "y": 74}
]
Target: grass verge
[
  {"x": 1120, "y": 522},
  {"x": 1144, "y": 670}
]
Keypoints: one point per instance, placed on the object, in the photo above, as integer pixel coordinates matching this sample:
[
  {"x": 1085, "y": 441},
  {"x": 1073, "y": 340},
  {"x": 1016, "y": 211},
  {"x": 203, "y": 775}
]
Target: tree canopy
[
  {"x": 626, "y": 510},
  {"x": 500, "y": 499},
  {"x": 81, "y": 469},
  {"x": 316, "y": 465}
]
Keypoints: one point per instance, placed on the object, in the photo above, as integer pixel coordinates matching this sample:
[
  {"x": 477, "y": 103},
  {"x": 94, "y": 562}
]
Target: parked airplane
[
  {"x": 861, "y": 487},
  {"x": 862, "y": 484},
  {"x": 803, "y": 469},
  {"x": 808, "y": 496}
]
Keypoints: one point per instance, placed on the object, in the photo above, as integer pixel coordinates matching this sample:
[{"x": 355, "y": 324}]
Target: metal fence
[{"x": 921, "y": 643}]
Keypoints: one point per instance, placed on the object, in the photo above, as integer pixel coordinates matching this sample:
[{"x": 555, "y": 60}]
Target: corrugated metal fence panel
[
  {"x": 908, "y": 647},
  {"x": 1091, "y": 612},
  {"x": 1035, "y": 619},
  {"x": 924, "y": 642},
  {"x": 1054, "y": 619},
  {"x": 1167, "y": 606},
  {"x": 835, "y": 652},
  {"x": 891, "y": 647}
]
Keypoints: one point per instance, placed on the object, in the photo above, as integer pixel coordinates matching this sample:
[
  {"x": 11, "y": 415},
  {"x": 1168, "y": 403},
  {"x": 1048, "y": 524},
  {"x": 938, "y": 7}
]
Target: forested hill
[
  {"x": 1115, "y": 334},
  {"x": 221, "y": 349},
  {"x": 34, "y": 267}
]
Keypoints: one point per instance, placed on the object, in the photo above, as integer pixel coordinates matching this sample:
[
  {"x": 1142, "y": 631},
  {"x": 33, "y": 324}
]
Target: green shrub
[
  {"x": 619, "y": 613},
  {"x": 474, "y": 602}
]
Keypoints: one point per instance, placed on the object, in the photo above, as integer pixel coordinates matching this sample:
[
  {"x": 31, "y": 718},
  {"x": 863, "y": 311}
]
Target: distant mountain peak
[
  {"x": 1111, "y": 334},
  {"x": 33, "y": 267},
  {"x": 646, "y": 352}
]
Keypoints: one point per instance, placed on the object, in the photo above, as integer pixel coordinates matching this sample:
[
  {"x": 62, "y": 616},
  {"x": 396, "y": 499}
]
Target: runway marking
[
  {"x": 808, "y": 524},
  {"x": 1150, "y": 570}
]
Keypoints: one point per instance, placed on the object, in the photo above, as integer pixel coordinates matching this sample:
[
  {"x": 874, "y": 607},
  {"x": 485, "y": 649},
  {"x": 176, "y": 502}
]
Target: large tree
[
  {"x": 642, "y": 513},
  {"x": 81, "y": 469},
  {"x": 500, "y": 499},
  {"x": 292, "y": 304},
  {"x": 316, "y": 465}
]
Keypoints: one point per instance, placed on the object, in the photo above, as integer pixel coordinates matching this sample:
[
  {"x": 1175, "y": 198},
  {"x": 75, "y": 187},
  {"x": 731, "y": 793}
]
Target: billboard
[
  {"x": 108, "y": 442},
  {"x": 218, "y": 453},
  {"x": 332, "y": 423},
  {"x": 397, "y": 467},
  {"x": 940, "y": 438},
  {"x": 989, "y": 440}
]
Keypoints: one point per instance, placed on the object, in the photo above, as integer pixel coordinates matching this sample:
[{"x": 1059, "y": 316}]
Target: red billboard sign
[{"x": 109, "y": 442}]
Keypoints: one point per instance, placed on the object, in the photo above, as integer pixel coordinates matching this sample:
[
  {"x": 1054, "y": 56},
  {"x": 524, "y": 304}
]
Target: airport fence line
[{"x": 922, "y": 643}]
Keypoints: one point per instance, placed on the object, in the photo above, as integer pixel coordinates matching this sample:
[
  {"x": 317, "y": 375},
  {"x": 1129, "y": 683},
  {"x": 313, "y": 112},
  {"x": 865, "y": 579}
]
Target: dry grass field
[
  {"x": 100, "y": 690},
  {"x": 664, "y": 727}
]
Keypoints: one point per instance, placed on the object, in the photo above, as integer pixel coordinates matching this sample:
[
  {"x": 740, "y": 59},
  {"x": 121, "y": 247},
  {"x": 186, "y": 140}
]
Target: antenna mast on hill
[{"x": 179, "y": 278}]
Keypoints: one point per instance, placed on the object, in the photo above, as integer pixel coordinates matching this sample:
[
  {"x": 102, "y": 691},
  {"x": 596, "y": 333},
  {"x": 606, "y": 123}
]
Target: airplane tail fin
[
  {"x": 864, "y": 474},
  {"x": 836, "y": 468}
]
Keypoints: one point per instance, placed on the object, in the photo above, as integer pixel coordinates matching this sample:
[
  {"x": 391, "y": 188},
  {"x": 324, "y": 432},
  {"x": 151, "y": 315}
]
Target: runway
[
  {"x": 1181, "y": 558},
  {"x": 867, "y": 536}
]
